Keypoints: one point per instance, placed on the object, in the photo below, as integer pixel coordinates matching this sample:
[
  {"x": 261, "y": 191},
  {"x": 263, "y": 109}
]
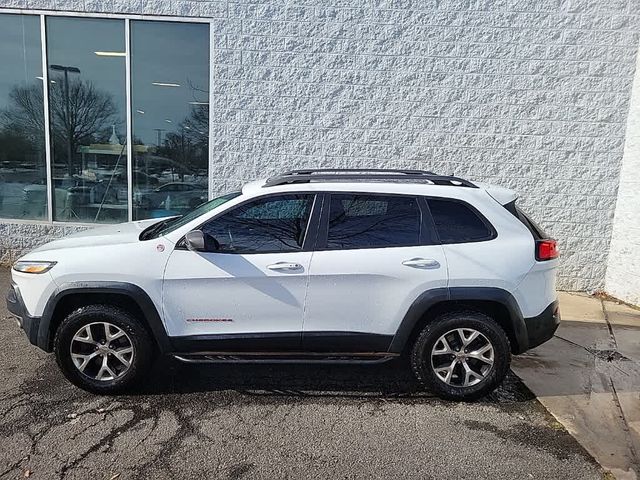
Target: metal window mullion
[
  {"x": 211, "y": 80},
  {"x": 47, "y": 131},
  {"x": 127, "y": 36}
]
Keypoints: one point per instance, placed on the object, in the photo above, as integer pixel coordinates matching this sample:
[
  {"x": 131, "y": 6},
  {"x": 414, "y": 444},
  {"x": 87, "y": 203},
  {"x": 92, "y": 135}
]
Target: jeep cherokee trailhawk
[{"x": 312, "y": 265}]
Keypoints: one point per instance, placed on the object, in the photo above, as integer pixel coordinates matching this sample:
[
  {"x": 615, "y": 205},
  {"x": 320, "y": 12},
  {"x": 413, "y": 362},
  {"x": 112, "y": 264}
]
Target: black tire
[
  {"x": 123, "y": 320},
  {"x": 421, "y": 363}
]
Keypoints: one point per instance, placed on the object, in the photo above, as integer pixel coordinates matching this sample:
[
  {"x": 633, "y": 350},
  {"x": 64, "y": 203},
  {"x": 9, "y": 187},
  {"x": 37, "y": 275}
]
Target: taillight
[{"x": 546, "y": 249}]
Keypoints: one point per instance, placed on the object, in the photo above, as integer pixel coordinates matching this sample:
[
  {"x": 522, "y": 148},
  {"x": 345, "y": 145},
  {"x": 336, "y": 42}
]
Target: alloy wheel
[
  {"x": 102, "y": 351},
  {"x": 462, "y": 357}
]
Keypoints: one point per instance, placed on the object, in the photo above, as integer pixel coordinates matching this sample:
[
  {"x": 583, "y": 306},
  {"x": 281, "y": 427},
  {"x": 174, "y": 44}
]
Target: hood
[{"x": 104, "y": 235}]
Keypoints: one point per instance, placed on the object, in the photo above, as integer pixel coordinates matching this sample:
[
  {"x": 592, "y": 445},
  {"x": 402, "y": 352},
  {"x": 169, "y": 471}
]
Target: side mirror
[{"x": 194, "y": 241}]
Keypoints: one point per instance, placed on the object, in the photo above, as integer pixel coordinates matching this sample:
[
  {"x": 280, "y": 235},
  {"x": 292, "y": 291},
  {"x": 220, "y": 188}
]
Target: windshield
[{"x": 170, "y": 224}]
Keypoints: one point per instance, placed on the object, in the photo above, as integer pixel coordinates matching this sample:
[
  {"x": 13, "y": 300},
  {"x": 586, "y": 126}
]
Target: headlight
[{"x": 33, "y": 267}]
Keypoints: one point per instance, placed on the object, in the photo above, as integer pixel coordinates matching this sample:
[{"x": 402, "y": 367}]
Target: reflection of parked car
[
  {"x": 168, "y": 170},
  {"x": 141, "y": 178},
  {"x": 174, "y": 196}
]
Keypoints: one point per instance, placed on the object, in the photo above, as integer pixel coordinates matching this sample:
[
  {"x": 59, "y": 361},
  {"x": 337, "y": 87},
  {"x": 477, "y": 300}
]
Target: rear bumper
[
  {"x": 542, "y": 327},
  {"x": 16, "y": 307}
]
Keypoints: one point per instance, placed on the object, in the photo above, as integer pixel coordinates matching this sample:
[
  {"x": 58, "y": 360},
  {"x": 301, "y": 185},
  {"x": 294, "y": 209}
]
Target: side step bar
[{"x": 288, "y": 357}]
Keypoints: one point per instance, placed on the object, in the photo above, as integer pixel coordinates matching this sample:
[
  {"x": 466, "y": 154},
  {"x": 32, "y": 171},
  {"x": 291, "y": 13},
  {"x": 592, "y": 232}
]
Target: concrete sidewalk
[{"x": 588, "y": 377}]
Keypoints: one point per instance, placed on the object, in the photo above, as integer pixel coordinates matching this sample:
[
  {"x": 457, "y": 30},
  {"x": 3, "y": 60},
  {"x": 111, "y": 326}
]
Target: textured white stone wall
[
  {"x": 528, "y": 94},
  {"x": 17, "y": 239},
  {"x": 623, "y": 271}
]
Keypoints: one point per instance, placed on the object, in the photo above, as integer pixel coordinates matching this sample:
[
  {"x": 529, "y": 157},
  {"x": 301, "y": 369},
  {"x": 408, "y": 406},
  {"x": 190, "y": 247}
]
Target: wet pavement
[
  {"x": 588, "y": 377},
  {"x": 269, "y": 422}
]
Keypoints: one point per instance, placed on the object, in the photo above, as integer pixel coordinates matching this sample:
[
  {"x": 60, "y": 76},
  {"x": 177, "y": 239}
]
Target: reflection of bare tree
[
  {"x": 190, "y": 145},
  {"x": 25, "y": 115},
  {"x": 197, "y": 125},
  {"x": 88, "y": 119}
]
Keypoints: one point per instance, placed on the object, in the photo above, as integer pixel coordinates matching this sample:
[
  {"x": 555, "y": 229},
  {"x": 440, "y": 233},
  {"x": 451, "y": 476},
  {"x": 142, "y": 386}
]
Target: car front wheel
[
  {"x": 102, "y": 349},
  {"x": 461, "y": 355}
]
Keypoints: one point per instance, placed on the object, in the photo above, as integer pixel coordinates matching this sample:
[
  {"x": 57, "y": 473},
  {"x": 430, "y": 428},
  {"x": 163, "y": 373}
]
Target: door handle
[
  {"x": 284, "y": 266},
  {"x": 422, "y": 263}
]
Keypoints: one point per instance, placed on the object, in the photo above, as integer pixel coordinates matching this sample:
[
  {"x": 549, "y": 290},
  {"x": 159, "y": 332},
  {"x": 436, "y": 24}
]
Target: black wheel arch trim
[
  {"x": 134, "y": 292},
  {"x": 433, "y": 297}
]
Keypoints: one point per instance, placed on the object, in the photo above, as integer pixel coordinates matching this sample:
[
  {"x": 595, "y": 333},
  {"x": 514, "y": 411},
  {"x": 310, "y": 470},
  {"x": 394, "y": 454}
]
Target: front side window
[
  {"x": 271, "y": 224},
  {"x": 457, "y": 222},
  {"x": 372, "y": 221}
]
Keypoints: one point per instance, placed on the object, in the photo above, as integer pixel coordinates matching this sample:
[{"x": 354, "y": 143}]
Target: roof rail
[
  {"x": 310, "y": 171},
  {"x": 354, "y": 174}
]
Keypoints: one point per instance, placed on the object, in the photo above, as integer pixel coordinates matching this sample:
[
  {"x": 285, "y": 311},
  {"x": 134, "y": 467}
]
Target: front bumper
[
  {"x": 16, "y": 307},
  {"x": 542, "y": 327}
]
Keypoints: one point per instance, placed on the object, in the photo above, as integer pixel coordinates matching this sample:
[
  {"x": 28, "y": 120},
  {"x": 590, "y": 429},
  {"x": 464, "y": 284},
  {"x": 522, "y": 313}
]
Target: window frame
[
  {"x": 493, "y": 233},
  {"x": 426, "y": 236},
  {"x": 310, "y": 234}
]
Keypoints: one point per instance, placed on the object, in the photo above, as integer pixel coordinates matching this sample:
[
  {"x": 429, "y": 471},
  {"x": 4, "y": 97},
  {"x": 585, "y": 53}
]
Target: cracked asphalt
[{"x": 248, "y": 421}]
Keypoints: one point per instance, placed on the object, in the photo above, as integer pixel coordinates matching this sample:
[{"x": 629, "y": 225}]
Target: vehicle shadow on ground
[{"x": 392, "y": 380}]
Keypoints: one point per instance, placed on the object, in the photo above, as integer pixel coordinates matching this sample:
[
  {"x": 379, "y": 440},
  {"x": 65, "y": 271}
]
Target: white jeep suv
[{"x": 311, "y": 265}]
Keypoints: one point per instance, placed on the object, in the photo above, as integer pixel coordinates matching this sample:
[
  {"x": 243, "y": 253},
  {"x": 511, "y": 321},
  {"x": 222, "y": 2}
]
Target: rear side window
[
  {"x": 456, "y": 222},
  {"x": 372, "y": 221}
]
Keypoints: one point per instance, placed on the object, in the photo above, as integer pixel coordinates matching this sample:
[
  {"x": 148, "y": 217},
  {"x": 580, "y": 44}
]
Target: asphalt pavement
[{"x": 260, "y": 421}]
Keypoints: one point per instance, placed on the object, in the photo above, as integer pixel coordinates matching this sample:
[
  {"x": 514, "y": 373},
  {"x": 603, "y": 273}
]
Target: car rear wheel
[
  {"x": 102, "y": 349},
  {"x": 461, "y": 355}
]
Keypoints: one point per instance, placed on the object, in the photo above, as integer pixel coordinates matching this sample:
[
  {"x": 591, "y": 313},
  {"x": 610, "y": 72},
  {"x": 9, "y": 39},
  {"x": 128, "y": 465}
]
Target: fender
[
  {"x": 134, "y": 292},
  {"x": 431, "y": 298}
]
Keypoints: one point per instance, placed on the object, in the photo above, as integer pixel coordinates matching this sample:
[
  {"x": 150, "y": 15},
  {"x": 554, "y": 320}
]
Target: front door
[{"x": 247, "y": 291}]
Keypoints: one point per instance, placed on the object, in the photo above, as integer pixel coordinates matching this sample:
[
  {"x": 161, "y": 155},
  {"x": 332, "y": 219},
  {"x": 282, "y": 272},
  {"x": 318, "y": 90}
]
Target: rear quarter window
[
  {"x": 457, "y": 222},
  {"x": 535, "y": 229}
]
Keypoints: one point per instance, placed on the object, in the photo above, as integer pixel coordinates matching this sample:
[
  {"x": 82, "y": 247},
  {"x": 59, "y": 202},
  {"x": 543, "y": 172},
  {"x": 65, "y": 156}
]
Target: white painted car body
[{"x": 364, "y": 290}]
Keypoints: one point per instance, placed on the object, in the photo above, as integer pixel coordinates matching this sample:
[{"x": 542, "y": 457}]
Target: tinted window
[
  {"x": 535, "y": 229},
  {"x": 367, "y": 221},
  {"x": 457, "y": 223},
  {"x": 272, "y": 224}
]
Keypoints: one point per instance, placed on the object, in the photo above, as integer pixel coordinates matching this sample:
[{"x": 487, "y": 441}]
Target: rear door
[{"x": 376, "y": 254}]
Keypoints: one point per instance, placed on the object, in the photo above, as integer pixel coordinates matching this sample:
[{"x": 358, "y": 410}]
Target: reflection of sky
[
  {"x": 20, "y": 55},
  {"x": 72, "y": 42},
  {"x": 168, "y": 53}
]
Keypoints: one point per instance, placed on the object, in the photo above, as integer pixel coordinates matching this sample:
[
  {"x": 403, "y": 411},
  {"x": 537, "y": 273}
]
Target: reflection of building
[{"x": 531, "y": 97}]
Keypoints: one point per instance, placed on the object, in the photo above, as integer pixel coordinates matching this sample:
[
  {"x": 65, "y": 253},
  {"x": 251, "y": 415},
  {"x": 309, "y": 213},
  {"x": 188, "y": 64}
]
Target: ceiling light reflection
[
  {"x": 165, "y": 84},
  {"x": 111, "y": 54}
]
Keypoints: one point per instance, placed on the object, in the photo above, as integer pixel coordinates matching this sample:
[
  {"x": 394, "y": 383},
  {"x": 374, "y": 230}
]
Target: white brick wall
[
  {"x": 529, "y": 94},
  {"x": 623, "y": 271}
]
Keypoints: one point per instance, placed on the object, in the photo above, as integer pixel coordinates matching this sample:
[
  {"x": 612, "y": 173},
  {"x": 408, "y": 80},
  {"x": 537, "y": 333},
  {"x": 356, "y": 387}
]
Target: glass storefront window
[
  {"x": 87, "y": 111},
  {"x": 170, "y": 109},
  {"x": 87, "y": 117},
  {"x": 23, "y": 190}
]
